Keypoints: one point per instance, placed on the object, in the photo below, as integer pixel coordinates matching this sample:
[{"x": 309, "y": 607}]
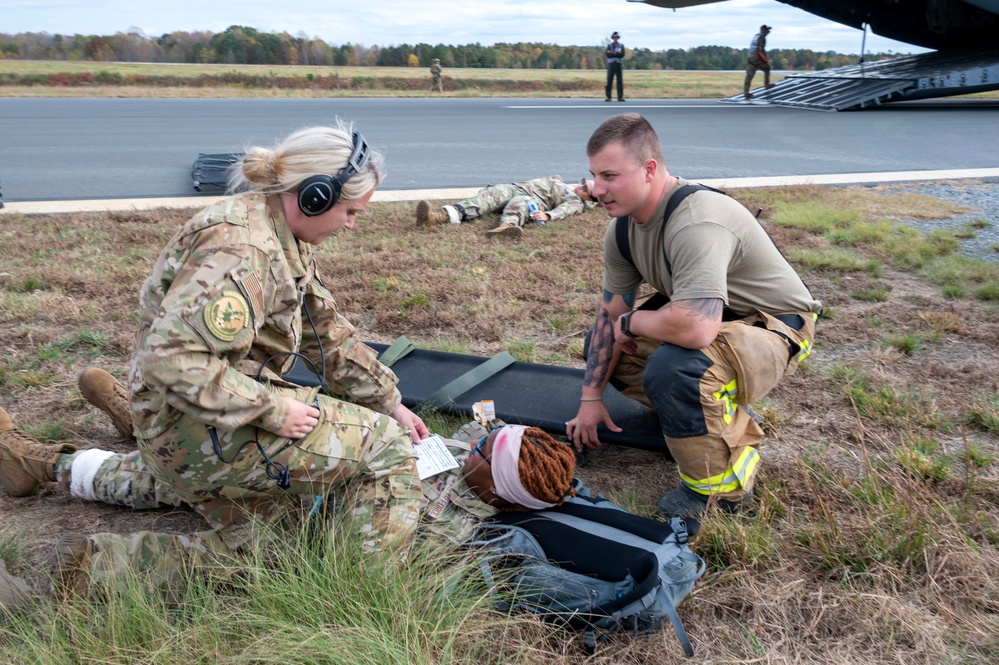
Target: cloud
[{"x": 393, "y": 22}]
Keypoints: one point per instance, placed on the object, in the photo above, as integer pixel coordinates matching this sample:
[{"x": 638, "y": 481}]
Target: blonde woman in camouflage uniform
[
  {"x": 233, "y": 299},
  {"x": 553, "y": 198},
  {"x": 452, "y": 503}
]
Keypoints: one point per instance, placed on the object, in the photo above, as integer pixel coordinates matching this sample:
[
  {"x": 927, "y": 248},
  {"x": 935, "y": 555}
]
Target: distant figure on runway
[
  {"x": 436, "y": 83},
  {"x": 615, "y": 64},
  {"x": 757, "y": 60}
]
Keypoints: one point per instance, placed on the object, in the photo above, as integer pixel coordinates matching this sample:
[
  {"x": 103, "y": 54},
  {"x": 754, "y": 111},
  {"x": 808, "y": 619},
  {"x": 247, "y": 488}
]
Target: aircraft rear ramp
[{"x": 938, "y": 74}]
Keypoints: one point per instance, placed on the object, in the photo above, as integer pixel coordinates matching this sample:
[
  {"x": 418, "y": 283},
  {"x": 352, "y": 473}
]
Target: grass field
[
  {"x": 63, "y": 79},
  {"x": 874, "y": 538},
  {"x": 113, "y": 79}
]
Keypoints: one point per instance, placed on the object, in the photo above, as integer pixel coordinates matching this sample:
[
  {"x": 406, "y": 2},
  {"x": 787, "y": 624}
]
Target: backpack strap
[
  {"x": 621, "y": 235},
  {"x": 621, "y": 223}
]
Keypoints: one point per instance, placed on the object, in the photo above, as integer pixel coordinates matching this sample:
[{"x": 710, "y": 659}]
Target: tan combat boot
[
  {"x": 508, "y": 230},
  {"x": 428, "y": 216},
  {"x": 107, "y": 394},
  {"x": 71, "y": 569},
  {"x": 24, "y": 462}
]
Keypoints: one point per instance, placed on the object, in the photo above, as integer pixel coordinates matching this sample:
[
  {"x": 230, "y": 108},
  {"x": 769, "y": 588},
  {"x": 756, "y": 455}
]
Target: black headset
[{"x": 319, "y": 193}]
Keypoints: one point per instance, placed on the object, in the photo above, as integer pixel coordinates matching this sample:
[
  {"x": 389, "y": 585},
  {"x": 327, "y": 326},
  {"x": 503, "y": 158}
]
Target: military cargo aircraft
[{"x": 964, "y": 32}]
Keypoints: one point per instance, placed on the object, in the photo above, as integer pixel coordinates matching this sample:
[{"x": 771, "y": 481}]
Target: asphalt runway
[{"x": 71, "y": 149}]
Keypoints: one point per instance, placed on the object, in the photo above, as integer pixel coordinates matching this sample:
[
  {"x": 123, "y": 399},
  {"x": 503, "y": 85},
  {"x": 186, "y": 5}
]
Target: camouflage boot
[
  {"x": 107, "y": 394},
  {"x": 508, "y": 230},
  {"x": 427, "y": 216},
  {"x": 71, "y": 570},
  {"x": 24, "y": 462}
]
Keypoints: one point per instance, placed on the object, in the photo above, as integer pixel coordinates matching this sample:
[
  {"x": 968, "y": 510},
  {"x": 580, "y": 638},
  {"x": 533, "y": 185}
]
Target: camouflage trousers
[
  {"x": 365, "y": 458},
  {"x": 511, "y": 199},
  {"x": 752, "y": 64}
]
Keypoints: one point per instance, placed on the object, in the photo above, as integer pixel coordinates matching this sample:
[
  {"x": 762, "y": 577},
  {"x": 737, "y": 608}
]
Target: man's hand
[
  {"x": 302, "y": 418},
  {"x": 582, "y": 430},
  {"x": 417, "y": 429},
  {"x": 540, "y": 216}
]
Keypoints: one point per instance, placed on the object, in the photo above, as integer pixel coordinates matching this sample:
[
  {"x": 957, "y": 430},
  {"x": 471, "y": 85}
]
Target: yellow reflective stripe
[
  {"x": 723, "y": 482},
  {"x": 733, "y": 478},
  {"x": 806, "y": 349},
  {"x": 726, "y": 395},
  {"x": 746, "y": 464}
]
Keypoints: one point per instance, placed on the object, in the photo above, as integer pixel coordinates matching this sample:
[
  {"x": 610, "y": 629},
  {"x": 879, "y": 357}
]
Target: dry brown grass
[
  {"x": 285, "y": 81},
  {"x": 875, "y": 536}
]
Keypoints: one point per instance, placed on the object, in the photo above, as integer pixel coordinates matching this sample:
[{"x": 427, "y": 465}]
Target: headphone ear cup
[{"x": 318, "y": 194}]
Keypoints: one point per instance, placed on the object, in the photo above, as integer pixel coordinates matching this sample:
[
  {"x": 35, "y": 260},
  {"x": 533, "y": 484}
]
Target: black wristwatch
[{"x": 626, "y": 324}]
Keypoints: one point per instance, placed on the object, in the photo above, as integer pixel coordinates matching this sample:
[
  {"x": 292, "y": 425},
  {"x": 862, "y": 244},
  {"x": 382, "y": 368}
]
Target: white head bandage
[{"x": 506, "y": 469}]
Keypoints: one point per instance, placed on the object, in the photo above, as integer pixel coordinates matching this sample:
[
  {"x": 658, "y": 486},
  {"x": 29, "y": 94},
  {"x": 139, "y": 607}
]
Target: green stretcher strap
[
  {"x": 469, "y": 380},
  {"x": 399, "y": 348}
]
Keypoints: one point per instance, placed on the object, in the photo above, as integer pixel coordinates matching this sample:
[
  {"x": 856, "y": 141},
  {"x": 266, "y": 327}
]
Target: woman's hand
[
  {"x": 301, "y": 419},
  {"x": 417, "y": 430}
]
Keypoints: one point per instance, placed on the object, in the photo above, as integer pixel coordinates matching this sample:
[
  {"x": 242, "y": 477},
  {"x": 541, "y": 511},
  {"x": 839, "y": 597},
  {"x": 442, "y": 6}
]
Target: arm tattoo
[
  {"x": 707, "y": 309},
  {"x": 629, "y": 298},
  {"x": 601, "y": 350}
]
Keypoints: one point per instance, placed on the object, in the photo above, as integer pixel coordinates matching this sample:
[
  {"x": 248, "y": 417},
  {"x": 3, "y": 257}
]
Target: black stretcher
[{"x": 532, "y": 394}]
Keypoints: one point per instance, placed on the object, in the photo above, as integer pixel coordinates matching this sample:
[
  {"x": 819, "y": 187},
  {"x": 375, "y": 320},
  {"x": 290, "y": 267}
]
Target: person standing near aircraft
[
  {"x": 757, "y": 60},
  {"x": 614, "y": 53}
]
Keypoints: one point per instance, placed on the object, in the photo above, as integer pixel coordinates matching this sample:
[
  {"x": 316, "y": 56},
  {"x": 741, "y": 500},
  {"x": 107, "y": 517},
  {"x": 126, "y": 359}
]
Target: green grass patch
[
  {"x": 871, "y": 293},
  {"x": 836, "y": 259},
  {"x": 315, "y": 599},
  {"x": 893, "y": 406},
  {"x": 912, "y": 250},
  {"x": 33, "y": 283},
  {"x": 958, "y": 275},
  {"x": 742, "y": 541},
  {"x": 524, "y": 350},
  {"x": 815, "y": 216},
  {"x": 908, "y": 343},
  {"x": 861, "y": 233},
  {"x": 984, "y": 414},
  {"x": 924, "y": 458},
  {"x": 11, "y": 550},
  {"x": 46, "y": 431}
]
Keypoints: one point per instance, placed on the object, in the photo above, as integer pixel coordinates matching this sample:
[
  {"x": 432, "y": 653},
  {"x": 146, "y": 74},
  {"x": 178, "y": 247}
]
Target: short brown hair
[{"x": 633, "y": 131}]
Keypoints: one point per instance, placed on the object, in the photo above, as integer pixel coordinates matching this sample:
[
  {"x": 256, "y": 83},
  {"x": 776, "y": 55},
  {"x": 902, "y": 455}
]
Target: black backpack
[{"x": 591, "y": 566}]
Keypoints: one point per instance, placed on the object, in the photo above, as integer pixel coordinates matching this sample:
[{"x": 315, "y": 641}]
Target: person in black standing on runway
[{"x": 615, "y": 64}]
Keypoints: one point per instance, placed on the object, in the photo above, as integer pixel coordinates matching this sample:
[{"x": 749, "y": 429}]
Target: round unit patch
[{"x": 227, "y": 315}]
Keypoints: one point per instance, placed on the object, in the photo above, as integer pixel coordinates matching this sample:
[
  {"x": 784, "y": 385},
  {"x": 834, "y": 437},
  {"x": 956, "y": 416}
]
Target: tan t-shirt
[{"x": 716, "y": 249}]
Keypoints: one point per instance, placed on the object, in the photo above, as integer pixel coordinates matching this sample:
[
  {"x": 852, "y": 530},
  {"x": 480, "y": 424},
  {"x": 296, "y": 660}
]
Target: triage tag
[
  {"x": 433, "y": 457},
  {"x": 484, "y": 412}
]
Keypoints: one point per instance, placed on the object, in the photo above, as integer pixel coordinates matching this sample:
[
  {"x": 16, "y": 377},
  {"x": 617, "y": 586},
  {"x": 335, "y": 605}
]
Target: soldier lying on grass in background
[{"x": 540, "y": 200}]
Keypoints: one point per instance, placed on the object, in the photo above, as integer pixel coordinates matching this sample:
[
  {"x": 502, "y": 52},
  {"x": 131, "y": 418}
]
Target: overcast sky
[{"x": 392, "y": 22}]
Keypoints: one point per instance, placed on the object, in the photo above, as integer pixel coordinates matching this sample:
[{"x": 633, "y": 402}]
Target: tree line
[{"x": 247, "y": 46}]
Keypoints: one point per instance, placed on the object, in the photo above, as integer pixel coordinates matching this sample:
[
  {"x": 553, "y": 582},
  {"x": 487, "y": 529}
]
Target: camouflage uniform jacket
[
  {"x": 449, "y": 508},
  {"x": 560, "y": 201},
  {"x": 227, "y": 296}
]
